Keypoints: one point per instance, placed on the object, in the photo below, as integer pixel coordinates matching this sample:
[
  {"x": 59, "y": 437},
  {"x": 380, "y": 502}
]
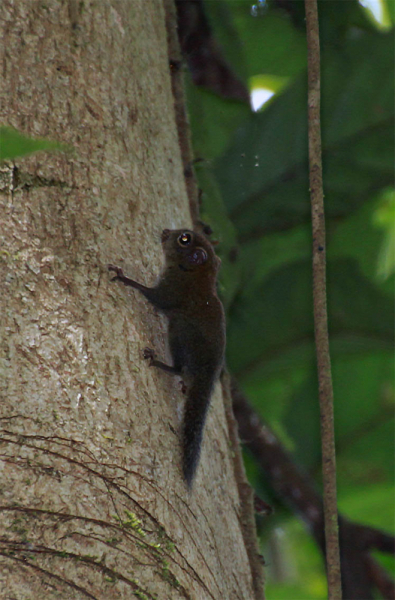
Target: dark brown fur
[{"x": 186, "y": 294}]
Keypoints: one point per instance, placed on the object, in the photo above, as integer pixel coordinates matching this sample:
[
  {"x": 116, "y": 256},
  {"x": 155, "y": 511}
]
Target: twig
[{"x": 320, "y": 309}]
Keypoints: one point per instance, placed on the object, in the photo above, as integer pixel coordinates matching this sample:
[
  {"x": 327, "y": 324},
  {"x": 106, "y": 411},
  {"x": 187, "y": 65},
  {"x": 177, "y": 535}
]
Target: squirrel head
[{"x": 189, "y": 250}]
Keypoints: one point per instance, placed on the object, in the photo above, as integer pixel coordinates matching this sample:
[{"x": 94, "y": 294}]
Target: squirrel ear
[
  {"x": 219, "y": 262},
  {"x": 197, "y": 257}
]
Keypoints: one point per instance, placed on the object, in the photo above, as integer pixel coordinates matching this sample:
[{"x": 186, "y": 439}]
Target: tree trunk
[{"x": 92, "y": 500}]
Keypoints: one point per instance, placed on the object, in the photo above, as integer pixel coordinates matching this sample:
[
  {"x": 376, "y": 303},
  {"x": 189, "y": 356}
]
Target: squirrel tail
[{"x": 196, "y": 408}]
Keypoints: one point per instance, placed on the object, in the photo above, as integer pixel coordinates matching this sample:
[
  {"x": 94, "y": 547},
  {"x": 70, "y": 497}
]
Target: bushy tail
[{"x": 194, "y": 418}]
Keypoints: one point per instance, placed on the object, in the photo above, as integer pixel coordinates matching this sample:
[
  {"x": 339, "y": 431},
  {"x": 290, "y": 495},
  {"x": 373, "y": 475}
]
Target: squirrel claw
[{"x": 149, "y": 354}]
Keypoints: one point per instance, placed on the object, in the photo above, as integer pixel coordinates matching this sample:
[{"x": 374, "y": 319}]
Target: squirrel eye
[{"x": 184, "y": 239}]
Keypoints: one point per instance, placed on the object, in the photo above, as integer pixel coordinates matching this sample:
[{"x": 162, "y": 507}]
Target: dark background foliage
[{"x": 254, "y": 180}]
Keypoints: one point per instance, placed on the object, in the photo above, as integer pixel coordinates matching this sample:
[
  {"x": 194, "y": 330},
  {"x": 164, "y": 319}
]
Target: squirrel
[{"x": 186, "y": 294}]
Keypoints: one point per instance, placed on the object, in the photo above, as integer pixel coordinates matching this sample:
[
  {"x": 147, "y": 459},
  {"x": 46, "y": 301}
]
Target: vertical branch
[{"x": 320, "y": 308}]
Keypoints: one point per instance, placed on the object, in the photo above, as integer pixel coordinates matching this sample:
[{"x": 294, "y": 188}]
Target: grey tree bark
[{"x": 92, "y": 501}]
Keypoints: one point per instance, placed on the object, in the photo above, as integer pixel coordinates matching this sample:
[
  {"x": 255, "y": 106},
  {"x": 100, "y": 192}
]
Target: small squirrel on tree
[{"x": 186, "y": 293}]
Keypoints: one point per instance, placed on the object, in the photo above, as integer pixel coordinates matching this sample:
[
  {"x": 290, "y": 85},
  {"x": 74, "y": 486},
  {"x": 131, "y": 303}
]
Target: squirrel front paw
[
  {"x": 149, "y": 354},
  {"x": 117, "y": 270}
]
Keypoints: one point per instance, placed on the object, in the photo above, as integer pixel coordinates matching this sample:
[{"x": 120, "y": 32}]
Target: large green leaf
[
  {"x": 259, "y": 38},
  {"x": 264, "y": 173},
  {"x": 275, "y": 319}
]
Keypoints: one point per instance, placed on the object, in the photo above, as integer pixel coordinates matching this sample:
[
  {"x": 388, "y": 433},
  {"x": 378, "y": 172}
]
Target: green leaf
[
  {"x": 281, "y": 307},
  {"x": 14, "y": 144},
  {"x": 260, "y": 36},
  {"x": 264, "y": 174}
]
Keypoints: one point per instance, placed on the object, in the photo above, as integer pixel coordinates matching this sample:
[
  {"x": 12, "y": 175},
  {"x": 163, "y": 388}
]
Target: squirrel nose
[{"x": 165, "y": 235}]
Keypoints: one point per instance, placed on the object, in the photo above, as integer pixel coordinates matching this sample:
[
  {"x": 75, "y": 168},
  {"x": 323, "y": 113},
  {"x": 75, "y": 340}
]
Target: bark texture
[{"x": 92, "y": 502}]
